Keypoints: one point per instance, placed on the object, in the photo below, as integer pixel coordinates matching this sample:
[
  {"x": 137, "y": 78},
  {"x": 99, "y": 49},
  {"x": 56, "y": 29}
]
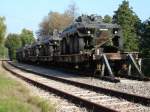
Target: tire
[
  {"x": 81, "y": 44},
  {"x": 75, "y": 45},
  {"x": 51, "y": 51},
  {"x": 78, "y": 44},
  {"x": 71, "y": 45},
  {"x": 64, "y": 46}
]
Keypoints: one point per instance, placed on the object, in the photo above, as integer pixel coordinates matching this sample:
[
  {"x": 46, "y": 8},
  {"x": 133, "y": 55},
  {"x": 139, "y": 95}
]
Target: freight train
[{"x": 88, "y": 43}]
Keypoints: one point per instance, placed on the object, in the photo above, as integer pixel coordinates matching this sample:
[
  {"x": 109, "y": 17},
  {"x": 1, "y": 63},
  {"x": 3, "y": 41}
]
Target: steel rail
[{"x": 127, "y": 96}]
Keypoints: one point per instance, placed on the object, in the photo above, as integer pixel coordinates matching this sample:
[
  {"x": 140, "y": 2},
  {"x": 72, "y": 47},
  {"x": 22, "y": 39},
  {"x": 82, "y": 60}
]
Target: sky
[{"x": 28, "y": 14}]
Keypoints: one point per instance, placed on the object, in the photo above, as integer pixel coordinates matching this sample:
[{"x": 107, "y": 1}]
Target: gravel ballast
[{"x": 126, "y": 85}]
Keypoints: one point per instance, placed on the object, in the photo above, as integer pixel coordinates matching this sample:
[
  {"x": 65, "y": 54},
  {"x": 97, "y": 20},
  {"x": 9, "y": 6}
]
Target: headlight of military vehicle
[
  {"x": 103, "y": 29},
  {"x": 89, "y": 32},
  {"x": 116, "y": 32}
]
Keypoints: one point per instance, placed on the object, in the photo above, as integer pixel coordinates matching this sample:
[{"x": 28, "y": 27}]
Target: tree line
[
  {"x": 136, "y": 34},
  {"x": 15, "y": 41},
  {"x": 11, "y": 42}
]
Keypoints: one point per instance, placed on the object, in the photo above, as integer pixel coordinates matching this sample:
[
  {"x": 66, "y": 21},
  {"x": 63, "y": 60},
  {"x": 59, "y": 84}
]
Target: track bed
[
  {"x": 116, "y": 104},
  {"x": 126, "y": 85}
]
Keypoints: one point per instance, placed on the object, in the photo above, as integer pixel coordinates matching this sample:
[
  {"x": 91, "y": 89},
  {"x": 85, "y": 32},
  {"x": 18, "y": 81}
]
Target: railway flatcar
[{"x": 87, "y": 43}]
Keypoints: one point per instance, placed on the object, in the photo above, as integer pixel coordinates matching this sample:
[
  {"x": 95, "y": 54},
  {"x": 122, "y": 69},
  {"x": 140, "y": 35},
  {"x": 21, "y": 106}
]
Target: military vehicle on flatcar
[
  {"x": 88, "y": 32},
  {"x": 87, "y": 43}
]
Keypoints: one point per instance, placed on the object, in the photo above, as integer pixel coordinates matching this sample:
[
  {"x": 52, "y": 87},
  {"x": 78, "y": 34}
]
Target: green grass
[{"x": 14, "y": 97}]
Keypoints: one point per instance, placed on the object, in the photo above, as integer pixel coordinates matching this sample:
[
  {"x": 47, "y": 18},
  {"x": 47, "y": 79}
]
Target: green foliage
[
  {"x": 107, "y": 19},
  {"x": 13, "y": 42},
  {"x": 57, "y": 21},
  {"x": 26, "y": 37},
  {"x": 145, "y": 46},
  {"x": 2, "y": 30},
  {"x": 3, "y": 50},
  {"x": 44, "y": 105},
  {"x": 53, "y": 21},
  {"x": 145, "y": 38},
  {"x": 129, "y": 22}
]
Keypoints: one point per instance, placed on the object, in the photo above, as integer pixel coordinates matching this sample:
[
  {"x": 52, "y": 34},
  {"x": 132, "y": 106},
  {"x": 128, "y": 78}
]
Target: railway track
[
  {"x": 127, "y": 96},
  {"x": 93, "y": 98}
]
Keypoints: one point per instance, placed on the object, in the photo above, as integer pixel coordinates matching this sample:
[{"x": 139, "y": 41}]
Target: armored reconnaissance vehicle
[
  {"x": 48, "y": 47},
  {"x": 89, "y": 32}
]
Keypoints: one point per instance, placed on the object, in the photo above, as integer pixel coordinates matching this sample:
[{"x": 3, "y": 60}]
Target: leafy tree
[
  {"x": 53, "y": 21},
  {"x": 56, "y": 20},
  {"x": 145, "y": 38},
  {"x": 13, "y": 42},
  {"x": 2, "y": 30},
  {"x": 145, "y": 46},
  {"x": 107, "y": 19},
  {"x": 129, "y": 22},
  {"x": 26, "y": 37},
  {"x": 3, "y": 50}
]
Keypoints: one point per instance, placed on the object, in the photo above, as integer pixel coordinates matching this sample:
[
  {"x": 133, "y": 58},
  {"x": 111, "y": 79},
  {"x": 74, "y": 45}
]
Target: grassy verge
[{"x": 14, "y": 97}]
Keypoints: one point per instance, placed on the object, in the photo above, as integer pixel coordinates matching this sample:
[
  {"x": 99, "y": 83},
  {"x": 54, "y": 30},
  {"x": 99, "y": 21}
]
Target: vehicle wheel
[
  {"x": 81, "y": 44},
  {"x": 75, "y": 45},
  {"x": 71, "y": 45},
  {"x": 64, "y": 46},
  {"x": 50, "y": 51}
]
